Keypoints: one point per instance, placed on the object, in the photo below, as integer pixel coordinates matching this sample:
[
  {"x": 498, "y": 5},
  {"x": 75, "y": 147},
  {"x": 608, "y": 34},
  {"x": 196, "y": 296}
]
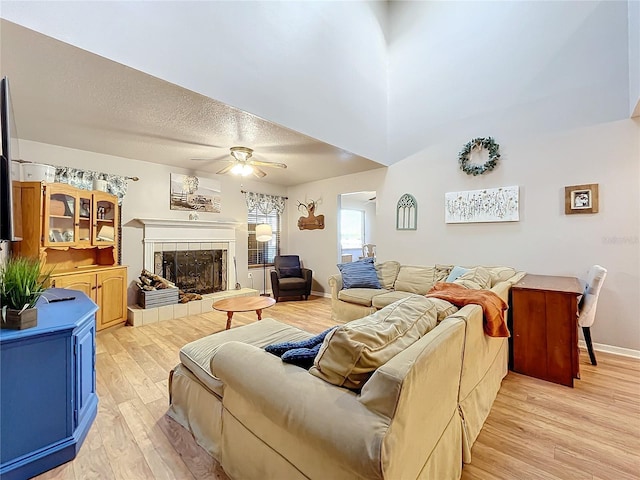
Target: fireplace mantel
[{"x": 179, "y": 223}]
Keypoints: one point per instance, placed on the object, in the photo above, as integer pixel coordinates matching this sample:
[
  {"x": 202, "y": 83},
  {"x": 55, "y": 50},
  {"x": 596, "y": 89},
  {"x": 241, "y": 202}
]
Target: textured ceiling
[{"x": 66, "y": 96}]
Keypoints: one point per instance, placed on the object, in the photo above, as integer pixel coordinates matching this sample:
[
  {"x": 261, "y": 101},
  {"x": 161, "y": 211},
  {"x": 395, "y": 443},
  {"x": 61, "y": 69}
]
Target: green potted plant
[{"x": 21, "y": 285}]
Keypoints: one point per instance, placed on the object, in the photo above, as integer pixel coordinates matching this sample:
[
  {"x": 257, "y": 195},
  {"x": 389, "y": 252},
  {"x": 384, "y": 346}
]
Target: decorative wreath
[{"x": 479, "y": 143}]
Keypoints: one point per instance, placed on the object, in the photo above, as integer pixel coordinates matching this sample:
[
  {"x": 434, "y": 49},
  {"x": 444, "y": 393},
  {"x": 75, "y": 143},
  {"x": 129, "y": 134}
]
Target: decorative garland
[{"x": 479, "y": 143}]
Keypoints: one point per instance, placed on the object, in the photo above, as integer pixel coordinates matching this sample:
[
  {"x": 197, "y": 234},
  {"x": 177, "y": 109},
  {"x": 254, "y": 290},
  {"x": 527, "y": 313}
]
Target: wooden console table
[{"x": 545, "y": 327}]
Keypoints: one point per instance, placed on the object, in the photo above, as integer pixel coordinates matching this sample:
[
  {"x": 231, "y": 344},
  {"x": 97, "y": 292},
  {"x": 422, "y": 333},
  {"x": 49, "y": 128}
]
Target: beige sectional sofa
[
  {"x": 485, "y": 361},
  {"x": 265, "y": 419},
  {"x": 416, "y": 416}
]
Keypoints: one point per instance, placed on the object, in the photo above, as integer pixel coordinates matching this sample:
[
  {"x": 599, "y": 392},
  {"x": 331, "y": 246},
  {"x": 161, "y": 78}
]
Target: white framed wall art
[{"x": 487, "y": 205}]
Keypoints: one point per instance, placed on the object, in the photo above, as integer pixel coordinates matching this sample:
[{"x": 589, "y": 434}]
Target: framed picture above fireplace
[{"x": 192, "y": 193}]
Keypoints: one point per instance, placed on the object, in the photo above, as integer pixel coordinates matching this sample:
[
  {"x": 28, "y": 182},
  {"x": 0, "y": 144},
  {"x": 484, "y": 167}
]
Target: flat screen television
[{"x": 10, "y": 221}]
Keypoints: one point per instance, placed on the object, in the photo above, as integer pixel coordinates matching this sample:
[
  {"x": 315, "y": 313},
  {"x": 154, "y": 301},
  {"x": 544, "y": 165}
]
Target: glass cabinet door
[
  {"x": 60, "y": 218},
  {"x": 105, "y": 214},
  {"x": 84, "y": 218}
]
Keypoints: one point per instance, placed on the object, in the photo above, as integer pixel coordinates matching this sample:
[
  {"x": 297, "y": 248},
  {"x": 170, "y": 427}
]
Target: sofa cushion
[
  {"x": 387, "y": 273},
  {"x": 443, "y": 307},
  {"x": 197, "y": 355},
  {"x": 360, "y": 296},
  {"x": 360, "y": 274},
  {"x": 415, "y": 279},
  {"x": 351, "y": 352},
  {"x": 500, "y": 274},
  {"x": 384, "y": 299},
  {"x": 442, "y": 272},
  {"x": 475, "y": 278}
]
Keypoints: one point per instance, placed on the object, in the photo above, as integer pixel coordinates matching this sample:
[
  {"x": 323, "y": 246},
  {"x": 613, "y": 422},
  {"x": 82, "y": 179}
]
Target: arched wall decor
[{"x": 407, "y": 213}]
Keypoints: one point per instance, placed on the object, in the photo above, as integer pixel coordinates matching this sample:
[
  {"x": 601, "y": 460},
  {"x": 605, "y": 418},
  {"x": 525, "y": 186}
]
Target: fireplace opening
[{"x": 194, "y": 271}]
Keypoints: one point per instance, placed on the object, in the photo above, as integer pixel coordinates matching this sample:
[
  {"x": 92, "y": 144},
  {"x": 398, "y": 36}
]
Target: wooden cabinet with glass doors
[
  {"x": 79, "y": 218},
  {"x": 75, "y": 232}
]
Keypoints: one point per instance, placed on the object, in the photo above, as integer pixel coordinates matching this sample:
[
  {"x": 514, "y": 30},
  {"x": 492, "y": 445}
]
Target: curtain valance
[
  {"x": 264, "y": 203},
  {"x": 116, "y": 184}
]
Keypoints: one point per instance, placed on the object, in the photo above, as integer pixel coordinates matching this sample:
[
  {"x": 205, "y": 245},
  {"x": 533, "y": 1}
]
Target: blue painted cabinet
[{"x": 48, "y": 397}]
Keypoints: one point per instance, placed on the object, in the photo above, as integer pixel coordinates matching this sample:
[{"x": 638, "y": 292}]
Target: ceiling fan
[{"x": 242, "y": 164}]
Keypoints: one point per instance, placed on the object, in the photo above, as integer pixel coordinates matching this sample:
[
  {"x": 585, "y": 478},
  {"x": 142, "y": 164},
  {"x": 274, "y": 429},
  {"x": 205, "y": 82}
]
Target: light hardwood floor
[{"x": 536, "y": 429}]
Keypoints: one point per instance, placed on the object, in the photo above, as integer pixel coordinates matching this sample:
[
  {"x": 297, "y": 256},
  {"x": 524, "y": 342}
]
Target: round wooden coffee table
[{"x": 243, "y": 304}]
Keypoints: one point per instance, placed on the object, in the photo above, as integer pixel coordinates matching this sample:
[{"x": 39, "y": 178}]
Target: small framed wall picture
[{"x": 581, "y": 199}]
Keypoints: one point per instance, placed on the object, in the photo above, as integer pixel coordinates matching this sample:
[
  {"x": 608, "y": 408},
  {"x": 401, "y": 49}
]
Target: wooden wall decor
[
  {"x": 311, "y": 221},
  {"x": 581, "y": 199}
]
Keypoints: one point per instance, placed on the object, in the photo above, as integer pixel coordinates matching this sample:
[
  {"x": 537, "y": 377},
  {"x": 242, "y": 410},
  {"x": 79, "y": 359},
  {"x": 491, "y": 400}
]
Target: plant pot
[{"x": 16, "y": 320}]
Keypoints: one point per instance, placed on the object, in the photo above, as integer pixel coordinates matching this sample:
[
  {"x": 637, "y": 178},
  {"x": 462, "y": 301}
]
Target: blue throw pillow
[
  {"x": 360, "y": 274},
  {"x": 456, "y": 273}
]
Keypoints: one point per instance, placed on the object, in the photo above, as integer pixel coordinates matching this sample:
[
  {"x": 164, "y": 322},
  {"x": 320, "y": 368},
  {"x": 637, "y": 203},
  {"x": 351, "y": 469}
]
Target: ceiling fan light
[
  {"x": 237, "y": 169},
  {"x": 246, "y": 170}
]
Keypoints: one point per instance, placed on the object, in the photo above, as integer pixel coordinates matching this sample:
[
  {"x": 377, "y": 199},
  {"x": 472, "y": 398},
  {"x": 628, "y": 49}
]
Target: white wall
[
  {"x": 545, "y": 240},
  {"x": 149, "y": 198},
  {"x": 316, "y": 67},
  {"x": 525, "y": 66},
  {"x": 634, "y": 57},
  {"x": 319, "y": 249}
]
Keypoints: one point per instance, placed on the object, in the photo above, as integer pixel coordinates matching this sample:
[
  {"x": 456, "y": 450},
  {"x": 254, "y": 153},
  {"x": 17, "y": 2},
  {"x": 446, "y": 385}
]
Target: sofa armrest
[
  {"x": 335, "y": 282},
  {"x": 313, "y": 411},
  {"x": 307, "y": 274},
  {"x": 433, "y": 364},
  {"x": 502, "y": 290}
]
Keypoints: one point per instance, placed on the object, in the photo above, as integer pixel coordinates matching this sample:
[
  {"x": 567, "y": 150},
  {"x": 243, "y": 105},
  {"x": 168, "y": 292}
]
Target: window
[
  {"x": 257, "y": 250},
  {"x": 351, "y": 229}
]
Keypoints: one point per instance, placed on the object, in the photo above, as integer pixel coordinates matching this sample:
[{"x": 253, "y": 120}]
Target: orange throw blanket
[{"x": 493, "y": 307}]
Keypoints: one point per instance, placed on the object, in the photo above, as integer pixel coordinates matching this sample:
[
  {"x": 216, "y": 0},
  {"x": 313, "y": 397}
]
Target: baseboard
[
  {"x": 321, "y": 294},
  {"x": 600, "y": 347}
]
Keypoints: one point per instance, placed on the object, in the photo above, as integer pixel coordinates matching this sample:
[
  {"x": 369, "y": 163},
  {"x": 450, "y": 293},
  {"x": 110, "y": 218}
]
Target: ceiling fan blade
[
  {"x": 259, "y": 173},
  {"x": 211, "y": 159},
  {"x": 226, "y": 169},
  {"x": 262, "y": 163}
]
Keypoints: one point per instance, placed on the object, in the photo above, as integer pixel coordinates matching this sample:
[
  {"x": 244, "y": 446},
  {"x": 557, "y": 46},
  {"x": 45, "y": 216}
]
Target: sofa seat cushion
[
  {"x": 351, "y": 352},
  {"x": 360, "y": 296},
  {"x": 292, "y": 283},
  {"x": 384, "y": 299},
  {"x": 197, "y": 355}
]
